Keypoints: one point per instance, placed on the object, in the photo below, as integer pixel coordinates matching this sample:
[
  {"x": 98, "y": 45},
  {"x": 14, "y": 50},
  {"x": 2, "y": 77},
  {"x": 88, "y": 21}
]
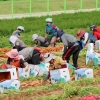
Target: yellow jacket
[{"x": 58, "y": 62}]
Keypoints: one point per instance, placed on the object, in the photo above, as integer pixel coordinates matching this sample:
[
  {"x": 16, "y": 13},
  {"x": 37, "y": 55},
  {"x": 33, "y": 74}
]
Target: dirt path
[{"x": 38, "y": 14}]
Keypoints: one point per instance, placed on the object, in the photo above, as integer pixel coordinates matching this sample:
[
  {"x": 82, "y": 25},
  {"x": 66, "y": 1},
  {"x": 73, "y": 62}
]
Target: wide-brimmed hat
[
  {"x": 14, "y": 54},
  {"x": 80, "y": 33},
  {"x": 48, "y": 57},
  {"x": 34, "y": 36}
]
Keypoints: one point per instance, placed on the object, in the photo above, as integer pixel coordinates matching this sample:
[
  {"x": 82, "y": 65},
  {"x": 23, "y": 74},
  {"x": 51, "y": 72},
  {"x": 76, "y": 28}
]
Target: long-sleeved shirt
[
  {"x": 16, "y": 33},
  {"x": 42, "y": 39},
  {"x": 68, "y": 40},
  {"x": 20, "y": 43},
  {"x": 16, "y": 63},
  {"x": 97, "y": 35},
  {"x": 51, "y": 30},
  {"x": 86, "y": 35},
  {"x": 97, "y": 29},
  {"x": 27, "y": 53},
  {"x": 16, "y": 41}
]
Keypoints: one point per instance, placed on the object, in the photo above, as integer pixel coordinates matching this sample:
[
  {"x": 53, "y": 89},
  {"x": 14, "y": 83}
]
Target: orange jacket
[{"x": 16, "y": 63}]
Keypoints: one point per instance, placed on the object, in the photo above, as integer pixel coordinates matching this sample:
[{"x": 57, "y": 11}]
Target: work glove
[
  {"x": 26, "y": 67},
  {"x": 9, "y": 66}
]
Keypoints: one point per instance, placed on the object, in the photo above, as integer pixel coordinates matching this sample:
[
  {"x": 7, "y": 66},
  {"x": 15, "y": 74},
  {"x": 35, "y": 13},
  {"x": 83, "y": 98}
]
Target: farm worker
[
  {"x": 18, "y": 32},
  {"x": 14, "y": 59},
  {"x": 41, "y": 41},
  {"x": 59, "y": 34},
  {"x": 94, "y": 28},
  {"x": 85, "y": 37},
  {"x": 32, "y": 55},
  {"x": 17, "y": 43},
  {"x": 51, "y": 31},
  {"x": 96, "y": 31},
  {"x": 55, "y": 62},
  {"x": 71, "y": 47}
]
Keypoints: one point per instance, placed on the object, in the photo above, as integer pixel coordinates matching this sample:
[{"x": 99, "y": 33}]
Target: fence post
[
  {"x": 80, "y": 5},
  {"x": 48, "y": 8},
  {"x": 97, "y": 5},
  {"x": 64, "y": 6},
  {"x": 30, "y": 8},
  {"x": 12, "y": 8}
]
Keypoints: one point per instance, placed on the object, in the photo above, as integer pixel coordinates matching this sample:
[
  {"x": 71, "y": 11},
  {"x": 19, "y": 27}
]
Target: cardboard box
[
  {"x": 4, "y": 75},
  {"x": 34, "y": 70},
  {"x": 41, "y": 69},
  {"x": 31, "y": 69},
  {"x": 97, "y": 55},
  {"x": 23, "y": 74},
  {"x": 60, "y": 75},
  {"x": 70, "y": 68},
  {"x": 93, "y": 59},
  {"x": 97, "y": 44},
  {"x": 13, "y": 72},
  {"x": 8, "y": 74},
  {"x": 9, "y": 85},
  {"x": 83, "y": 73}
]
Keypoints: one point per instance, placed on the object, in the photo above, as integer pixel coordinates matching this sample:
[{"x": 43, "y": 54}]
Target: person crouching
[
  {"x": 55, "y": 62},
  {"x": 14, "y": 59},
  {"x": 41, "y": 41}
]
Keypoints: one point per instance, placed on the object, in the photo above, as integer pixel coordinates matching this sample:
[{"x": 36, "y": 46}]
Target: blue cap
[{"x": 92, "y": 26}]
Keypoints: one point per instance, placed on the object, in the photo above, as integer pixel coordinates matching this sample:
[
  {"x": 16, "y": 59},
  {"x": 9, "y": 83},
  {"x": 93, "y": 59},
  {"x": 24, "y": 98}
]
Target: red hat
[{"x": 80, "y": 33}]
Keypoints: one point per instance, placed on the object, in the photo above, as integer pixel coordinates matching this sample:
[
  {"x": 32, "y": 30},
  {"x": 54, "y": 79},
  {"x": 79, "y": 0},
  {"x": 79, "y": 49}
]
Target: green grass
[
  {"x": 74, "y": 88},
  {"x": 23, "y": 6},
  {"x": 70, "y": 23}
]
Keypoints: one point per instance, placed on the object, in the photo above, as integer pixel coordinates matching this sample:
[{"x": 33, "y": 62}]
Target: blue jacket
[
  {"x": 91, "y": 37},
  {"x": 60, "y": 33},
  {"x": 51, "y": 30}
]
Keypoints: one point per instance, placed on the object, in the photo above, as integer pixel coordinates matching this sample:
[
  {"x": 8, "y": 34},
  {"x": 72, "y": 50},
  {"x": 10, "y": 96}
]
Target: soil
[
  {"x": 33, "y": 96},
  {"x": 28, "y": 84},
  {"x": 73, "y": 98}
]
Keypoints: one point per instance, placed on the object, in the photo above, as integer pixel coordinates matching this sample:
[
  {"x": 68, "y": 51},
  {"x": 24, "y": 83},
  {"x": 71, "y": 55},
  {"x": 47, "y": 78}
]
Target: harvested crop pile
[
  {"x": 53, "y": 49},
  {"x": 32, "y": 83},
  {"x": 97, "y": 73},
  {"x": 4, "y": 49},
  {"x": 45, "y": 50},
  {"x": 41, "y": 82},
  {"x": 3, "y": 56},
  {"x": 97, "y": 51}
]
